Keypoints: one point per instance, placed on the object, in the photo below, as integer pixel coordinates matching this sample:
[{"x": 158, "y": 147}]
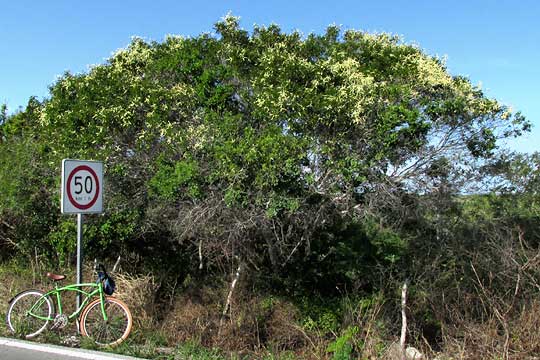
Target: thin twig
[
  {"x": 8, "y": 225},
  {"x": 200, "y": 255},
  {"x": 116, "y": 264}
]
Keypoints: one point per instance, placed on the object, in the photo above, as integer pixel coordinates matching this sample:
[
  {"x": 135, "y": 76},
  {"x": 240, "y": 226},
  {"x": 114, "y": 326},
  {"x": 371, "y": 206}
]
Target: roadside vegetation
[{"x": 269, "y": 193}]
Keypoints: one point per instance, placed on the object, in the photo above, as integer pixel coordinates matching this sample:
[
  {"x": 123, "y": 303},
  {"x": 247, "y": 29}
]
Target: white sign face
[{"x": 82, "y": 187}]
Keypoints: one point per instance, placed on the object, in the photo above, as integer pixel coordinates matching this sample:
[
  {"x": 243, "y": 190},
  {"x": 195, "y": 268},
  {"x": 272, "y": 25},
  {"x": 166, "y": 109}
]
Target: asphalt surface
[{"x": 11, "y": 349}]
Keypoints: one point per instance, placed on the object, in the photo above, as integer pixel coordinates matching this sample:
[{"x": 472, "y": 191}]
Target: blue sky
[{"x": 496, "y": 43}]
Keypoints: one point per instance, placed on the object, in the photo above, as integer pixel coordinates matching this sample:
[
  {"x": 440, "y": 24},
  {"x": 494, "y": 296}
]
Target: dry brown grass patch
[
  {"x": 139, "y": 293},
  {"x": 252, "y": 325},
  {"x": 193, "y": 316}
]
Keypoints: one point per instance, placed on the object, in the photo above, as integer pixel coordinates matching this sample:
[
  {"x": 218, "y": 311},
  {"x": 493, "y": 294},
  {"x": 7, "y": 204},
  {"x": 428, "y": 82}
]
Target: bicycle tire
[
  {"x": 17, "y": 319},
  {"x": 106, "y": 333}
]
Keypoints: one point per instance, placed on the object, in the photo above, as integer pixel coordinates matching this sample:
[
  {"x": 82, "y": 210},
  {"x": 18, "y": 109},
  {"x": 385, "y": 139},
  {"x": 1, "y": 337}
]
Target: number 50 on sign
[{"x": 82, "y": 187}]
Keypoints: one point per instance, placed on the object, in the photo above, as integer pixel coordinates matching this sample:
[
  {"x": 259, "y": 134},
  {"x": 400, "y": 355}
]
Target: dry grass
[
  {"x": 466, "y": 339},
  {"x": 253, "y": 325},
  {"x": 264, "y": 326},
  {"x": 193, "y": 316},
  {"x": 526, "y": 331},
  {"x": 16, "y": 278},
  {"x": 282, "y": 329},
  {"x": 139, "y": 293}
]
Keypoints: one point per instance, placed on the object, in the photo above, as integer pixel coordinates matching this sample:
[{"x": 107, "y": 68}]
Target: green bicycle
[{"x": 101, "y": 317}]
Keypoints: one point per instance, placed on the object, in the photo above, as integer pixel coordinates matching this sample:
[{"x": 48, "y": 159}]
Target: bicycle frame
[{"x": 96, "y": 288}]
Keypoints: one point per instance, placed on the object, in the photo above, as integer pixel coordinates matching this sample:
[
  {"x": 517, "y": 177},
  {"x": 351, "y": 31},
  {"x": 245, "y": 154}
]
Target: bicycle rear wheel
[
  {"x": 108, "y": 332},
  {"x": 29, "y": 313}
]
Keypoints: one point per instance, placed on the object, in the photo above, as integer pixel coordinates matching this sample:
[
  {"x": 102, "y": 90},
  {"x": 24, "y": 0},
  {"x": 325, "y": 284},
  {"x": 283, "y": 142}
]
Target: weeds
[
  {"x": 272, "y": 327},
  {"x": 342, "y": 347},
  {"x": 193, "y": 350}
]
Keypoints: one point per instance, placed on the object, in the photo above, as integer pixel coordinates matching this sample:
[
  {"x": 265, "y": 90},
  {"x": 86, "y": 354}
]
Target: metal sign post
[
  {"x": 82, "y": 193},
  {"x": 79, "y": 254}
]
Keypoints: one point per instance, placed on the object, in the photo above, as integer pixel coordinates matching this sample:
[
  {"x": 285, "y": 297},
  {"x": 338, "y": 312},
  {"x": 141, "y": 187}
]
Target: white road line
[{"x": 51, "y": 349}]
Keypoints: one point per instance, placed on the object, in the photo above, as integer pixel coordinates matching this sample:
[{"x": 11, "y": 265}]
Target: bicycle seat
[{"x": 55, "y": 277}]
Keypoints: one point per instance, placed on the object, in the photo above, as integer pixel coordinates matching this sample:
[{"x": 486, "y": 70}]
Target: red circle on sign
[{"x": 70, "y": 197}]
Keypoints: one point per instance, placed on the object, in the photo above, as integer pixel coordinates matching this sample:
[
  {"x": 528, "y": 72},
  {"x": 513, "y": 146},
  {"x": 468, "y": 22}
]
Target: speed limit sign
[{"x": 82, "y": 187}]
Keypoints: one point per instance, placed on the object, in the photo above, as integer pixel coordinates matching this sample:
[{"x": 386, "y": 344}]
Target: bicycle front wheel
[
  {"x": 108, "y": 332},
  {"x": 29, "y": 313}
]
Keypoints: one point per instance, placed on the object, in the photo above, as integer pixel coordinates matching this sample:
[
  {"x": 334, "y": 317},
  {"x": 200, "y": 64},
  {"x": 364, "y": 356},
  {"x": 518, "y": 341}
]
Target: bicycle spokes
[
  {"x": 29, "y": 313},
  {"x": 106, "y": 332}
]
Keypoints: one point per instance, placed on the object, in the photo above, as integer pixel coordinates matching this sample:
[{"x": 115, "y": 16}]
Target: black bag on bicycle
[{"x": 108, "y": 283}]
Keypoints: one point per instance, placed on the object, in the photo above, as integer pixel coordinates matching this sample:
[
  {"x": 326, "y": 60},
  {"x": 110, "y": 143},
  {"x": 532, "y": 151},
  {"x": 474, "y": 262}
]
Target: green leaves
[
  {"x": 243, "y": 132},
  {"x": 173, "y": 181}
]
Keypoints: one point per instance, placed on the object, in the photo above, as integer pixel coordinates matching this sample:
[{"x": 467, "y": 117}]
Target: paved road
[{"x": 11, "y": 349}]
